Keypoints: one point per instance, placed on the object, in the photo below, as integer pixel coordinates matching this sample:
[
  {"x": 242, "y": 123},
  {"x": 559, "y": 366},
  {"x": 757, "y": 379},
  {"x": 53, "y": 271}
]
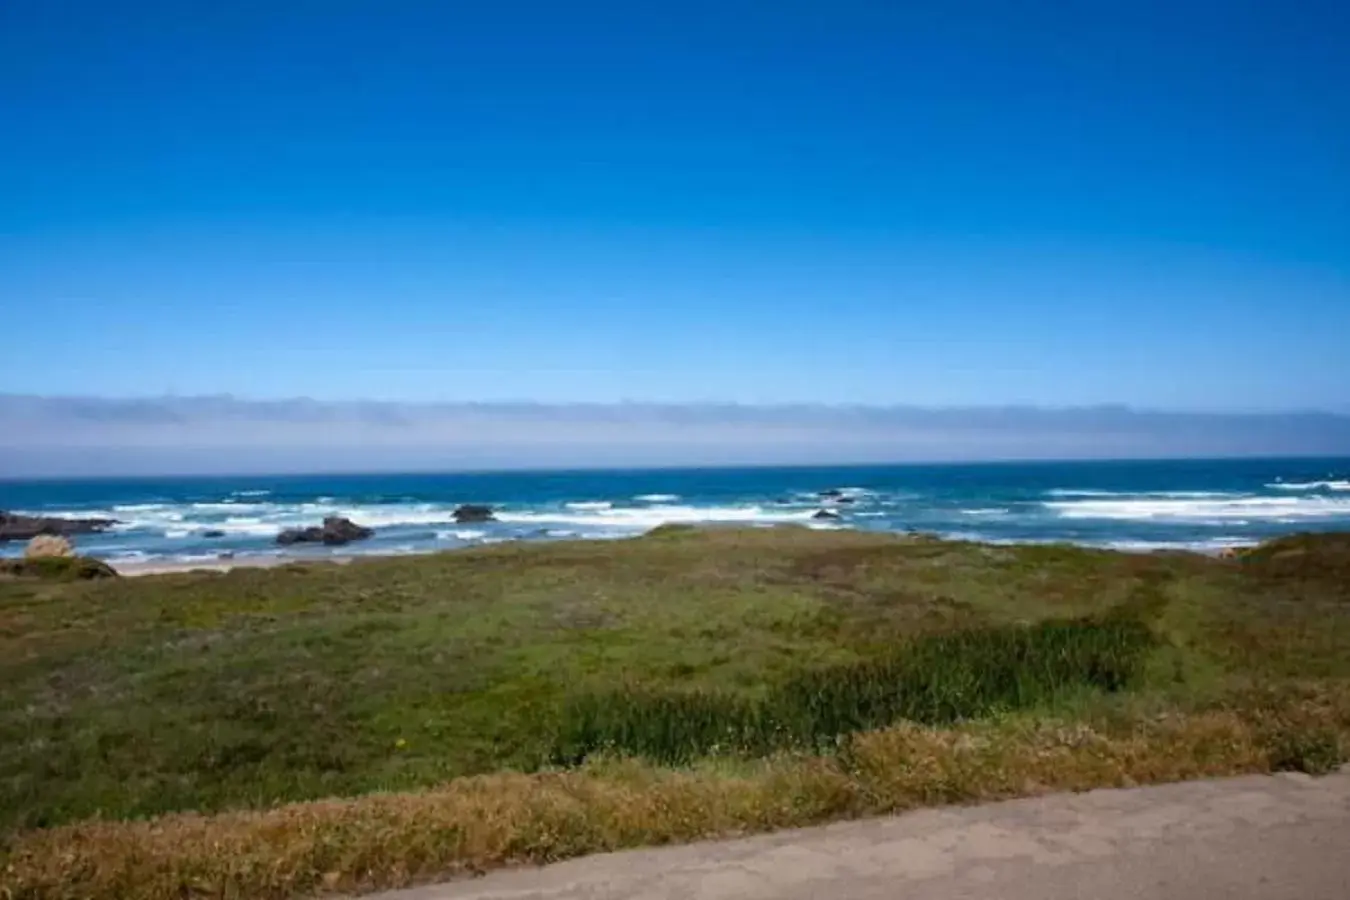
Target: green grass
[
  {"x": 132, "y": 697},
  {"x": 935, "y": 679}
]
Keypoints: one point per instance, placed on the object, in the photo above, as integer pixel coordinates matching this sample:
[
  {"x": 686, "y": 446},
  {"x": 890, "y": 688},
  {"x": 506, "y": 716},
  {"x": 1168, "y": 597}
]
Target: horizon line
[
  {"x": 706, "y": 403},
  {"x": 640, "y": 469}
]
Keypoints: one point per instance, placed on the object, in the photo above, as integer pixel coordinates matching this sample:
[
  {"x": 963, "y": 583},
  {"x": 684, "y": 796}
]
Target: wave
[
  {"x": 986, "y": 511},
  {"x": 657, "y": 498},
  {"x": 1173, "y": 495},
  {"x": 642, "y": 519},
  {"x": 589, "y": 505},
  {"x": 1280, "y": 509},
  {"x": 1331, "y": 485},
  {"x": 460, "y": 534}
]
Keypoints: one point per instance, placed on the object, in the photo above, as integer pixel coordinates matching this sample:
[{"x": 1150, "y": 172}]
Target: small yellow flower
[{"x": 400, "y": 744}]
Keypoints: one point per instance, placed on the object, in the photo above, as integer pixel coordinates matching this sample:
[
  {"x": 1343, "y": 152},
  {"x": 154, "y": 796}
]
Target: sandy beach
[{"x": 164, "y": 567}]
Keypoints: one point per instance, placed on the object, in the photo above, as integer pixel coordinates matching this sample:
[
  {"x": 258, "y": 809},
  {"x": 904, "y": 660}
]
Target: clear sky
[{"x": 946, "y": 203}]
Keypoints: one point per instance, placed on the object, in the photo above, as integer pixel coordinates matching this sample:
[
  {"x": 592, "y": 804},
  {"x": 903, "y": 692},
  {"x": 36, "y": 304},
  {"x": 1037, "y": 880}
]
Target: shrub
[{"x": 57, "y": 568}]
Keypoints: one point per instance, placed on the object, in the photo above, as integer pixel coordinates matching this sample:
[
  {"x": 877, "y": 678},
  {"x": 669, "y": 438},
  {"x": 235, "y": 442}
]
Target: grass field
[{"x": 528, "y": 702}]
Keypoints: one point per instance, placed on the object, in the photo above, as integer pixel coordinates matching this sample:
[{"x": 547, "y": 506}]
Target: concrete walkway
[{"x": 1285, "y": 837}]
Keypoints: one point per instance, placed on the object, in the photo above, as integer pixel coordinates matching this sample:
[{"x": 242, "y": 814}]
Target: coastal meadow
[{"x": 315, "y": 728}]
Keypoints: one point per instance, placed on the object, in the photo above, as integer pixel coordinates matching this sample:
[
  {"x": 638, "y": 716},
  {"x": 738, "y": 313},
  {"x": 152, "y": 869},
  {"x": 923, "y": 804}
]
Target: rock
[
  {"x": 334, "y": 530},
  {"x": 844, "y": 501},
  {"x": 228, "y": 554},
  {"x": 831, "y": 494},
  {"x": 825, "y": 514},
  {"x": 14, "y": 527},
  {"x": 473, "y": 512},
  {"x": 337, "y": 530},
  {"x": 311, "y": 535},
  {"x": 48, "y": 545},
  {"x": 213, "y": 533}
]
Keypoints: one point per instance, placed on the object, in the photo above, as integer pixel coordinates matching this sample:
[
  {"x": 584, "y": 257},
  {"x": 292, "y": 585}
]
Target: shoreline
[
  {"x": 171, "y": 567},
  {"x": 176, "y": 567}
]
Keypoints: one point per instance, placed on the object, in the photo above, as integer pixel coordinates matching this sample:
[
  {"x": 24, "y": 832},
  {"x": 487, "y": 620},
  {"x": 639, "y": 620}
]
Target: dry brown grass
[{"x": 473, "y": 824}]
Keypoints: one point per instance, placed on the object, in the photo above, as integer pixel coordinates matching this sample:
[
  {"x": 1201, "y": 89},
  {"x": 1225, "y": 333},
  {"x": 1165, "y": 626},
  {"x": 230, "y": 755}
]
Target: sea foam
[{"x": 1200, "y": 510}]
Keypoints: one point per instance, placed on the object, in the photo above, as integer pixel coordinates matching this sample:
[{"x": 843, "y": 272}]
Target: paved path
[{"x": 1285, "y": 837}]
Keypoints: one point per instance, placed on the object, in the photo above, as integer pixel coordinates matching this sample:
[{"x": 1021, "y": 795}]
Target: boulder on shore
[
  {"x": 474, "y": 512},
  {"x": 14, "y": 527},
  {"x": 825, "y": 514},
  {"x": 48, "y": 545},
  {"x": 334, "y": 530}
]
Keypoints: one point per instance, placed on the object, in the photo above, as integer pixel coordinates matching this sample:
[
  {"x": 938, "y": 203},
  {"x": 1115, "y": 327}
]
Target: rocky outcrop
[
  {"x": 334, "y": 531},
  {"x": 825, "y": 514},
  {"x": 473, "y": 512},
  {"x": 830, "y": 494},
  {"x": 213, "y": 533},
  {"x": 48, "y": 545},
  {"x": 14, "y": 527}
]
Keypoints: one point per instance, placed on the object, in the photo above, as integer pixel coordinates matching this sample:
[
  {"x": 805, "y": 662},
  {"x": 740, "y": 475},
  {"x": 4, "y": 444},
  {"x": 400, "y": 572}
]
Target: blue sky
[{"x": 936, "y": 204}]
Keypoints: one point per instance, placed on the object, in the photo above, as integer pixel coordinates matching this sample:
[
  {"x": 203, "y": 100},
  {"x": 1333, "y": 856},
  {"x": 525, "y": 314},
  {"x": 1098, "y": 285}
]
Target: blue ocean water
[{"x": 1203, "y": 505}]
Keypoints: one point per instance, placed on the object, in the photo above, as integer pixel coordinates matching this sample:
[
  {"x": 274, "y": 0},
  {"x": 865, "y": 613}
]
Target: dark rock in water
[
  {"x": 337, "y": 530},
  {"x": 14, "y": 527},
  {"x": 844, "y": 501},
  {"x": 213, "y": 533},
  {"x": 57, "y": 568},
  {"x": 825, "y": 514},
  {"x": 313, "y": 534},
  {"x": 334, "y": 530},
  {"x": 228, "y": 554},
  {"x": 473, "y": 512},
  {"x": 831, "y": 494}
]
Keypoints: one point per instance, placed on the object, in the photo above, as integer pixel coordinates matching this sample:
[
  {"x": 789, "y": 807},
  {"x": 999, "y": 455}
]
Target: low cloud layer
[{"x": 41, "y": 436}]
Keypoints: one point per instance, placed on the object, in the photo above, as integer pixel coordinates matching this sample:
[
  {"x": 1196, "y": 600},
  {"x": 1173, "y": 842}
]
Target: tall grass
[
  {"x": 933, "y": 680},
  {"x": 470, "y": 825}
]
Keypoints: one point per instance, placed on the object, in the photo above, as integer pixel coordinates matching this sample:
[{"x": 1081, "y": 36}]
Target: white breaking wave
[
  {"x": 986, "y": 511},
  {"x": 1249, "y": 508},
  {"x": 657, "y": 498},
  {"x": 1336, "y": 485},
  {"x": 258, "y": 519},
  {"x": 1174, "y": 495},
  {"x": 462, "y": 534},
  {"x": 245, "y": 525},
  {"x": 651, "y": 517},
  {"x": 589, "y": 505},
  {"x": 230, "y": 506}
]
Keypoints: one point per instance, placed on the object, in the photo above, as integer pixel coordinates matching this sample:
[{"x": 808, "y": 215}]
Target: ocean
[{"x": 1141, "y": 506}]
